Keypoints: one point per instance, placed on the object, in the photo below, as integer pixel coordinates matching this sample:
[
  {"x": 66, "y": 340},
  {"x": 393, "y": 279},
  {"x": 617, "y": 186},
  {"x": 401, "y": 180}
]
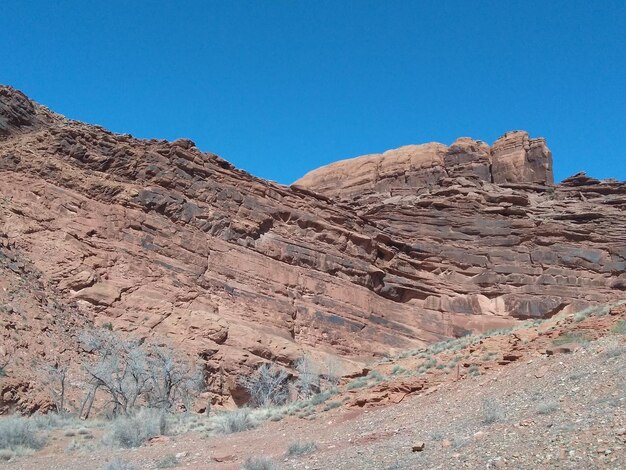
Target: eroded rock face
[
  {"x": 514, "y": 158},
  {"x": 363, "y": 257}
]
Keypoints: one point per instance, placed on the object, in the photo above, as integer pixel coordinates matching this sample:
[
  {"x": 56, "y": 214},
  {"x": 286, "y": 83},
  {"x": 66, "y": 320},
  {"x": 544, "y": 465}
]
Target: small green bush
[
  {"x": 320, "y": 398},
  {"x": 301, "y": 448},
  {"x": 620, "y": 327},
  {"x": 357, "y": 383},
  {"x": 332, "y": 405},
  {"x": 133, "y": 431},
  {"x": 547, "y": 407},
  {"x": 259, "y": 463},
  {"x": 17, "y": 432},
  {"x": 169, "y": 461},
  {"x": 235, "y": 421},
  {"x": 492, "y": 412},
  {"x": 375, "y": 376}
]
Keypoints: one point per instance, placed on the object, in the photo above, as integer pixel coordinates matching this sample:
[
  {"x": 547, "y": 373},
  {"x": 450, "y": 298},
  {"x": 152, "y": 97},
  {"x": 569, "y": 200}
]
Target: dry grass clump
[
  {"x": 235, "y": 421},
  {"x": 134, "y": 430},
  {"x": 259, "y": 463},
  {"x": 118, "y": 464},
  {"x": 19, "y": 433},
  {"x": 492, "y": 412},
  {"x": 301, "y": 448},
  {"x": 547, "y": 407}
]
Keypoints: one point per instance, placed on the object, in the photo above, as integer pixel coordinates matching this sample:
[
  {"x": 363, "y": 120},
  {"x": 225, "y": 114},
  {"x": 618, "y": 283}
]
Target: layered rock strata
[{"x": 365, "y": 257}]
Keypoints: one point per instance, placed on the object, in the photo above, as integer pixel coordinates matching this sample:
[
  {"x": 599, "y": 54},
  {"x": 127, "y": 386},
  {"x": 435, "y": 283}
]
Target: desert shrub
[
  {"x": 268, "y": 385},
  {"x": 300, "y": 448},
  {"x": 459, "y": 441},
  {"x": 134, "y": 430},
  {"x": 620, "y": 327},
  {"x": 375, "y": 376},
  {"x": 331, "y": 405},
  {"x": 320, "y": 398},
  {"x": 169, "y": 461},
  {"x": 16, "y": 432},
  {"x": 614, "y": 348},
  {"x": 491, "y": 411},
  {"x": 437, "y": 435},
  {"x": 432, "y": 362},
  {"x": 131, "y": 372},
  {"x": 308, "y": 381},
  {"x": 6, "y": 454},
  {"x": 359, "y": 382},
  {"x": 259, "y": 463},
  {"x": 118, "y": 464},
  {"x": 51, "y": 420},
  {"x": 569, "y": 337},
  {"x": 547, "y": 407},
  {"x": 473, "y": 370},
  {"x": 397, "y": 370},
  {"x": 235, "y": 421}
]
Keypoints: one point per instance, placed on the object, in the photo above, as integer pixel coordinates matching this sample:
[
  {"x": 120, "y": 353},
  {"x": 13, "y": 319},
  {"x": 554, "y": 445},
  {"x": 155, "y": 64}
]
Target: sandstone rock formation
[
  {"x": 514, "y": 158},
  {"x": 364, "y": 257}
]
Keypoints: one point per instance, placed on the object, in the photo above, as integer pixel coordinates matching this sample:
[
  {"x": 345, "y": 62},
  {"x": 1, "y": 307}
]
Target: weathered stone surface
[
  {"x": 381, "y": 254},
  {"x": 518, "y": 159},
  {"x": 102, "y": 293},
  {"x": 514, "y": 158}
]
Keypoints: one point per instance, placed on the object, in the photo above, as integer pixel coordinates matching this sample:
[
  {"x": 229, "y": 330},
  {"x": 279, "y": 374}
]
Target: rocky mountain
[{"x": 363, "y": 257}]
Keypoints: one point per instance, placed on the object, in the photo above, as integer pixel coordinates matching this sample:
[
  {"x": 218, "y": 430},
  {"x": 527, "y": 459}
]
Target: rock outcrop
[
  {"x": 364, "y": 257},
  {"x": 514, "y": 158}
]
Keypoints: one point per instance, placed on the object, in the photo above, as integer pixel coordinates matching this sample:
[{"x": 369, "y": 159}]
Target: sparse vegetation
[
  {"x": 169, "y": 461},
  {"x": 359, "y": 382},
  {"x": 375, "y": 376},
  {"x": 571, "y": 337},
  {"x": 119, "y": 464},
  {"x": 267, "y": 386},
  {"x": 491, "y": 411},
  {"x": 130, "y": 372},
  {"x": 235, "y": 421},
  {"x": 259, "y": 463},
  {"x": 133, "y": 431},
  {"x": 547, "y": 407},
  {"x": 620, "y": 327},
  {"x": 6, "y": 454},
  {"x": 300, "y": 448},
  {"x": 19, "y": 433},
  {"x": 308, "y": 382},
  {"x": 614, "y": 348},
  {"x": 332, "y": 405},
  {"x": 320, "y": 398}
]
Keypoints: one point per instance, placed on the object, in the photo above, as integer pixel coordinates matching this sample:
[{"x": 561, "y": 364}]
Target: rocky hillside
[{"x": 364, "y": 257}]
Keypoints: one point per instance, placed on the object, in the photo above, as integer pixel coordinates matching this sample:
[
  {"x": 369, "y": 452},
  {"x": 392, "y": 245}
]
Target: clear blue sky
[{"x": 280, "y": 87}]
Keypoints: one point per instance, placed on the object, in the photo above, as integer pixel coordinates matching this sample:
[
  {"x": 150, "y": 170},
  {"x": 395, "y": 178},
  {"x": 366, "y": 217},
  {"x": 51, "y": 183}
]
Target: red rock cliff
[{"x": 159, "y": 238}]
